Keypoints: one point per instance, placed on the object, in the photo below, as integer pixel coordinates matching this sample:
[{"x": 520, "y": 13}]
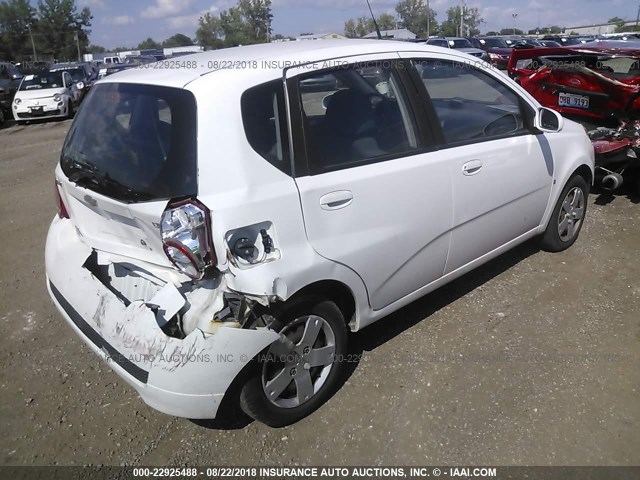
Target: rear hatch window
[{"x": 134, "y": 143}]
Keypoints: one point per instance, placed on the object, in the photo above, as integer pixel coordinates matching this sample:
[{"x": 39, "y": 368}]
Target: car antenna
[{"x": 375, "y": 24}]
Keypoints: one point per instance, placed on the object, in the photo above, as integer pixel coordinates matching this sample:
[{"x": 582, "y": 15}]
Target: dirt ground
[{"x": 531, "y": 360}]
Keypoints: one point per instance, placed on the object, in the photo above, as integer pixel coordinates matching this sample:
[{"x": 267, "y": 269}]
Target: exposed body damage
[
  {"x": 185, "y": 376},
  {"x": 617, "y": 151},
  {"x": 595, "y": 85}
]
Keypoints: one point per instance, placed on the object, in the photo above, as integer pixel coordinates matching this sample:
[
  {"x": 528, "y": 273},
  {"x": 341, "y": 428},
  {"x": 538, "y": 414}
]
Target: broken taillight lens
[
  {"x": 186, "y": 237},
  {"x": 62, "y": 209}
]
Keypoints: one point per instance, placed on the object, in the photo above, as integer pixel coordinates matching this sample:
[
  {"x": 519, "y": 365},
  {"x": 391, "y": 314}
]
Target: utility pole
[
  {"x": 33, "y": 45},
  {"x": 78, "y": 45},
  {"x": 429, "y": 19},
  {"x": 462, "y": 9},
  {"x": 514, "y": 15}
]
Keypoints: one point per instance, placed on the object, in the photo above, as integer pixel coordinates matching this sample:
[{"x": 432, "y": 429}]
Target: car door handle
[
  {"x": 472, "y": 167},
  {"x": 336, "y": 200}
]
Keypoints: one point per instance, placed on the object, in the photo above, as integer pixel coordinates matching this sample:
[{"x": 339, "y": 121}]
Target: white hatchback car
[
  {"x": 234, "y": 215},
  {"x": 46, "y": 95}
]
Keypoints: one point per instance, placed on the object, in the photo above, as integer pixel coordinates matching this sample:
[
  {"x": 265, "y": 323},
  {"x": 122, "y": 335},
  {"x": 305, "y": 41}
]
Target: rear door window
[
  {"x": 265, "y": 123},
  {"x": 355, "y": 115}
]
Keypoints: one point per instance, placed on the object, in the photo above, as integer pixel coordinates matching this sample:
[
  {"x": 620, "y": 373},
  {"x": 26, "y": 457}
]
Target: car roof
[
  {"x": 65, "y": 66},
  {"x": 180, "y": 72}
]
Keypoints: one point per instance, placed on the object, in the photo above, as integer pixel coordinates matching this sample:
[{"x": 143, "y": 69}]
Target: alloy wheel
[
  {"x": 297, "y": 368},
  {"x": 571, "y": 214}
]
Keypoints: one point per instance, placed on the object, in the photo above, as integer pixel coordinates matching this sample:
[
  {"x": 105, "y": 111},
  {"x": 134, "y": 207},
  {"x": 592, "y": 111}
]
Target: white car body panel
[
  {"x": 401, "y": 237},
  {"x": 389, "y": 202},
  {"x": 488, "y": 209},
  {"x": 112, "y": 226}
]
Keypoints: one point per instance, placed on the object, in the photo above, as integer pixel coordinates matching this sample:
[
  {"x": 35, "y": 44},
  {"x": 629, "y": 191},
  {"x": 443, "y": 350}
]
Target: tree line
[
  {"x": 177, "y": 40},
  {"x": 414, "y": 15},
  {"x": 247, "y": 23},
  {"x": 58, "y": 29},
  {"x": 54, "y": 29}
]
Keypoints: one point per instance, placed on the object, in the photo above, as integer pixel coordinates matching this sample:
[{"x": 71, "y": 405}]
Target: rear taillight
[
  {"x": 62, "y": 209},
  {"x": 186, "y": 237}
]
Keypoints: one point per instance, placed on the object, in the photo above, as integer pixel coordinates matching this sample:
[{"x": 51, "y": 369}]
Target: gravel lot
[{"x": 531, "y": 360}]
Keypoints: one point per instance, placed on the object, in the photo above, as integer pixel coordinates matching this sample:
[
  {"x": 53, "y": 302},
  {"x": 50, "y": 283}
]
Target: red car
[
  {"x": 591, "y": 82},
  {"x": 598, "y": 84}
]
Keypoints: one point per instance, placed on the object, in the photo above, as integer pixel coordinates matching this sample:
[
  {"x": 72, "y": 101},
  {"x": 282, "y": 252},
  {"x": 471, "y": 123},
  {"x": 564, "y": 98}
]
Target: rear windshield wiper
[{"x": 86, "y": 178}]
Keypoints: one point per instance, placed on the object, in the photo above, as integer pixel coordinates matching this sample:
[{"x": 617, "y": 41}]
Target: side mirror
[{"x": 548, "y": 120}]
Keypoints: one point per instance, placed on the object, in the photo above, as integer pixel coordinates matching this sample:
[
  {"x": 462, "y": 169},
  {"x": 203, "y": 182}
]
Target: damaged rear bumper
[{"x": 182, "y": 377}]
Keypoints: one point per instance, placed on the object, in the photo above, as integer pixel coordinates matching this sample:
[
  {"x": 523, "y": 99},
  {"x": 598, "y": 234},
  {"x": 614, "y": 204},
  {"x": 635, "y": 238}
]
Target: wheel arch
[
  {"x": 583, "y": 165},
  {"x": 336, "y": 291},
  {"x": 585, "y": 172}
]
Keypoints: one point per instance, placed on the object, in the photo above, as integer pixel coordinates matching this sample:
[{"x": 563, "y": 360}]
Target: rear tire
[
  {"x": 291, "y": 382},
  {"x": 568, "y": 216}
]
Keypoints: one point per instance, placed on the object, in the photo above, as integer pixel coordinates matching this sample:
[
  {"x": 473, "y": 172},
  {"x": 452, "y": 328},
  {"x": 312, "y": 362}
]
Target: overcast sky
[{"x": 127, "y": 22}]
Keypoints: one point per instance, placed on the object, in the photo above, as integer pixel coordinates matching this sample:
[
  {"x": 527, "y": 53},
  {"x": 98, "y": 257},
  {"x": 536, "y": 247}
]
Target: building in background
[
  {"x": 400, "y": 34},
  {"x": 166, "y": 52},
  {"x": 321, "y": 36},
  {"x": 598, "y": 29}
]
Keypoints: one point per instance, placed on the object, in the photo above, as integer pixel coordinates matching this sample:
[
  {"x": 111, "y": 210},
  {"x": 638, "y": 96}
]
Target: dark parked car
[
  {"x": 9, "y": 80},
  {"x": 458, "y": 43},
  {"x": 497, "y": 49},
  {"x": 111, "y": 68},
  {"x": 82, "y": 74},
  {"x": 566, "y": 40},
  {"x": 26, "y": 68},
  {"x": 549, "y": 43},
  {"x": 526, "y": 42},
  {"x": 140, "y": 59}
]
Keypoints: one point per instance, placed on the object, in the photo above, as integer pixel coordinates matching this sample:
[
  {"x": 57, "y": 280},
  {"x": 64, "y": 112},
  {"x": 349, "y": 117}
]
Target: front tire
[
  {"x": 567, "y": 217},
  {"x": 294, "y": 378},
  {"x": 69, "y": 109}
]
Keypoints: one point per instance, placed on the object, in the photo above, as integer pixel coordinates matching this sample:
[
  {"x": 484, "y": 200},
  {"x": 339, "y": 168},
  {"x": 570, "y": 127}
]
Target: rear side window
[
  {"x": 134, "y": 142},
  {"x": 354, "y": 116},
  {"x": 265, "y": 125},
  {"x": 470, "y": 105}
]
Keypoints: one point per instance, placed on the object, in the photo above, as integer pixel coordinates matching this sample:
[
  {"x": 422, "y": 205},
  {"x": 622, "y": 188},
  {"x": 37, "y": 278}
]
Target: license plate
[
  {"x": 37, "y": 111},
  {"x": 573, "y": 101}
]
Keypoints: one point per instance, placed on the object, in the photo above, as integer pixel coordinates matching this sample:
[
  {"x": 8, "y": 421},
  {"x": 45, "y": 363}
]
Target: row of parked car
[
  {"x": 42, "y": 90},
  {"x": 497, "y": 49}
]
